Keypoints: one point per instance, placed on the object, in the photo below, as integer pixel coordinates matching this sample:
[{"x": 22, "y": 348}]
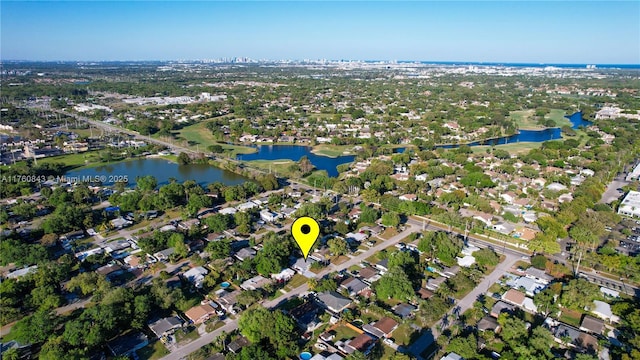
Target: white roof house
[
  {"x": 630, "y": 205},
  {"x": 196, "y": 276},
  {"x": 466, "y": 261},
  {"x": 246, "y": 206},
  {"x": 452, "y": 356},
  {"x": 556, "y": 187},
  {"x": 269, "y": 216},
  {"x": 228, "y": 211},
  {"x": 603, "y": 310}
]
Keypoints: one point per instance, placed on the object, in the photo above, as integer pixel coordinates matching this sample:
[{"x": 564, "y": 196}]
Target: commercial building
[{"x": 630, "y": 206}]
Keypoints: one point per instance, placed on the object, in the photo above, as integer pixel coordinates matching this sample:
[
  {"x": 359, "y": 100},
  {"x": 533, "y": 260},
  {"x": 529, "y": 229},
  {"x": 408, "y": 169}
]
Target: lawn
[
  {"x": 75, "y": 160},
  {"x": 153, "y": 351},
  {"x": 279, "y": 167},
  {"x": 402, "y": 334},
  {"x": 571, "y": 317},
  {"x": 557, "y": 115},
  {"x": 345, "y": 333},
  {"x": 339, "y": 260},
  {"x": 373, "y": 259},
  {"x": 198, "y": 137},
  {"x": 332, "y": 150},
  {"x": 495, "y": 288},
  {"x": 513, "y": 148},
  {"x": 296, "y": 280},
  {"x": 524, "y": 119},
  {"x": 389, "y": 233},
  {"x": 189, "y": 336}
]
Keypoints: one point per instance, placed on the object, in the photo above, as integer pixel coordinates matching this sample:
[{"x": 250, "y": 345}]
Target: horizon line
[{"x": 235, "y": 58}]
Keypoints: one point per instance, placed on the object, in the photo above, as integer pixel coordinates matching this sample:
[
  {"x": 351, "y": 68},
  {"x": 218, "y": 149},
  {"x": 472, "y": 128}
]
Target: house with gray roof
[
  {"x": 165, "y": 326},
  {"x": 333, "y": 301},
  {"x": 354, "y": 286}
]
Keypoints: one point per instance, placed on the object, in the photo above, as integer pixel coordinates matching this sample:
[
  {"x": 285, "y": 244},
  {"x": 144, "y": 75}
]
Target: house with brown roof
[
  {"x": 592, "y": 325},
  {"x": 488, "y": 323},
  {"x": 514, "y": 297},
  {"x": 363, "y": 343},
  {"x": 386, "y": 325},
  {"x": 201, "y": 313},
  {"x": 368, "y": 274},
  {"x": 425, "y": 294}
]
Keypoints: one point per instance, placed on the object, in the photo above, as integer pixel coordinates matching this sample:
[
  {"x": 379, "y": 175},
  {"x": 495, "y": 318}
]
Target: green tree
[
  {"x": 395, "y": 284},
  {"x": 249, "y": 297},
  {"x": 464, "y": 346},
  {"x": 274, "y": 327},
  {"x": 35, "y": 328},
  {"x": 369, "y": 215},
  {"x": 243, "y": 220},
  {"x": 338, "y": 246},
  {"x": 184, "y": 159},
  {"x": 486, "y": 257},
  {"x": 545, "y": 302},
  {"x": 391, "y": 219},
  {"x": 219, "y": 249},
  {"x": 219, "y": 222}
]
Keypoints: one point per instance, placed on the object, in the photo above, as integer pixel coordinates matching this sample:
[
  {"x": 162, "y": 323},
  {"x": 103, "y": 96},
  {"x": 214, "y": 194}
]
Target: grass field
[
  {"x": 571, "y": 317},
  {"x": 514, "y": 148},
  {"x": 153, "y": 351},
  {"x": 524, "y": 119},
  {"x": 388, "y": 233},
  {"x": 557, "y": 115},
  {"x": 279, "y": 167},
  {"x": 402, "y": 334},
  {"x": 189, "y": 336},
  {"x": 332, "y": 150},
  {"x": 198, "y": 137},
  {"x": 75, "y": 160},
  {"x": 345, "y": 333},
  {"x": 296, "y": 280}
]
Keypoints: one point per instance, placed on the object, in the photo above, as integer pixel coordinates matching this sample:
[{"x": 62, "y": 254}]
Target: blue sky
[{"x": 605, "y": 32}]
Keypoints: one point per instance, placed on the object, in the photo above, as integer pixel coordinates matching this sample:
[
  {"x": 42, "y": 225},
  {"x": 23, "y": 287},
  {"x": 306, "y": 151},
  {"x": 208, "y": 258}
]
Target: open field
[
  {"x": 332, "y": 150},
  {"x": 514, "y": 148},
  {"x": 279, "y": 167},
  {"x": 198, "y": 137},
  {"x": 86, "y": 159},
  {"x": 152, "y": 351},
  {"x": 524, "y": 119},
  {"x": 557, "y": 115}
]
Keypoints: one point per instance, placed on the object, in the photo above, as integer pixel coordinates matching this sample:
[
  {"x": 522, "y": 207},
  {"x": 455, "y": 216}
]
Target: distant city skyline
[{"x": 572, "y": 32}]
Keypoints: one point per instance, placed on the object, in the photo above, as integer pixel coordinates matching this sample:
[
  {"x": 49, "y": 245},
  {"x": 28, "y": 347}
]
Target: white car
[
  {"x": 388, "y": 342},
  {"x": 321, "y": 346}
]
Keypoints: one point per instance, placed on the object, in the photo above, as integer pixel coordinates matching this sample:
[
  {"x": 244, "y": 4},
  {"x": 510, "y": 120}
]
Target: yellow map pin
[{"x": 305, "y": 231}]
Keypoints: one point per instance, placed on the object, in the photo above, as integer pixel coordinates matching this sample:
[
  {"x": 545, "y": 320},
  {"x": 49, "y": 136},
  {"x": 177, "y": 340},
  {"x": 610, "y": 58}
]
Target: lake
[
  {"x": 529, "y": 135},
  {"x": 295, "y": 152},
  {"x": 162, "y": 170},
  {"x": 204, "y": 174},
  {"x": 577, "y": 120}
]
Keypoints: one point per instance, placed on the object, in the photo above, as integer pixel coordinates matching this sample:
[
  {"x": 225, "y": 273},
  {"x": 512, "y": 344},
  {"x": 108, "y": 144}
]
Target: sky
[{"x": 576, "y": 32}]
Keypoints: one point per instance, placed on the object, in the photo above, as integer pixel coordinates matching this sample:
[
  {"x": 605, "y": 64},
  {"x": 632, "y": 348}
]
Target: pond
[
  {"x": 162, "y": 170},
  {"x": 295, "y": 152}
]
